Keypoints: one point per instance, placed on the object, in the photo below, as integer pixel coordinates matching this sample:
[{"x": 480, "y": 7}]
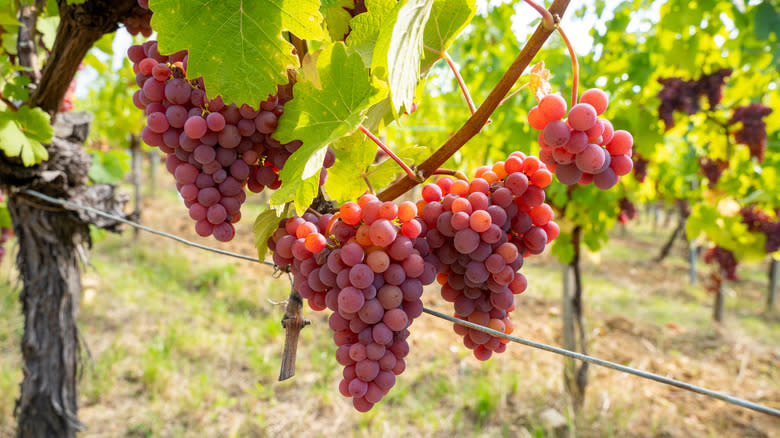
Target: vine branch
[{"x": 475, "y": 123}]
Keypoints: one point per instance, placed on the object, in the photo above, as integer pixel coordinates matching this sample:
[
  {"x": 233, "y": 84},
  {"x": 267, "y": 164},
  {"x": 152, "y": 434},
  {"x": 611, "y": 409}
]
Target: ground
[{"x": 182, "y": 342}]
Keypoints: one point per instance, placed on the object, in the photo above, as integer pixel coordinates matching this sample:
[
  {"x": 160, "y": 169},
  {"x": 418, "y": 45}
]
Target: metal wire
[
  {"x": 144, "y": 228},
  {"x": 605, "y": 363},
  {"x": 572, "y": 354}
]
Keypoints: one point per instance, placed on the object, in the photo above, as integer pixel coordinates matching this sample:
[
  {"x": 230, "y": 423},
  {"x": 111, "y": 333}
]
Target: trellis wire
[
  {"x": 613, "y": 365},
  {"x": 144, "y": 228},
  {"x": 572, "y": 354}
]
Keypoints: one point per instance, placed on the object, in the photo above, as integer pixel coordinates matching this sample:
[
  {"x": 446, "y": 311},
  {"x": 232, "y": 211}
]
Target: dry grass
[{"x": 188, "y": 343}]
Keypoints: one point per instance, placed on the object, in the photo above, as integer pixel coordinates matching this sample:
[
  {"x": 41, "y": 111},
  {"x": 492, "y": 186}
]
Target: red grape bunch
[
  {"x": 584, "y": 148},
  {"x": 712, "y": 169},
  {"x": 758, "y": 221},
  {"x": 753, "y": 131},
  {"x": 140, "y": 20},
  {"x": 368, "y": 266},
  {"x": 480, "y": 231},
  {"x": 627, "y": 211},
  {"x": 212, "y": 149},
  {"x": 680, "y": 95},
  {"x": 724, "y": 259}
]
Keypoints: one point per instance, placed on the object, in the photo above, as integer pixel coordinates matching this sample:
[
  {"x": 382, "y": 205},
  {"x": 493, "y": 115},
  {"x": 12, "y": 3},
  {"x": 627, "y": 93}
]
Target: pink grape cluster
[
  {"x": 480, "y": 231},
  {"x": 140, "y": 21},
  {"x": 212, "y": 149},
  {"x": 584, "y": 148},
  {"x": 368, "y": 266}
]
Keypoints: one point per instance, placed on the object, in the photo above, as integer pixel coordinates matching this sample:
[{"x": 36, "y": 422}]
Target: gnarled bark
[{"x": 52, "y": 242}]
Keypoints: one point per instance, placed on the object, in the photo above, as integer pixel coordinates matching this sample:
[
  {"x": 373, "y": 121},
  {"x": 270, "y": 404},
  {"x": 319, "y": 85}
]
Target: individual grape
[
  {"x": 596, "y": 98},
  {"x": 591, "y": 159},
  {"x": 157, "y": 122},
  {"x": 553, "y": 107},
  {"x": 605, "y": 180},
  {"x": 556, "y": 133},
  {"x": 582, "y": 117},
  {"x": 621, "y": 143},
  {"x": 195, "y": 127}
]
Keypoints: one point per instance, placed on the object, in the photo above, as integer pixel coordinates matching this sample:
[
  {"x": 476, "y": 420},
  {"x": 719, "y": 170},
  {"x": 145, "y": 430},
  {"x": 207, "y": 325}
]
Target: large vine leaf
[
  {"x": 23, "y": 132},
  {"x": 365, "y": 28},
  {"x": 399, "y": 48},
  {"x": 319, "y": 116},
  {"x": 447, "y": 20},
  {"x": 236, "y": 45}
]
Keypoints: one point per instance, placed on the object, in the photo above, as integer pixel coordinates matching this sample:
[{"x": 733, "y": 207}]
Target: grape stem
[
  {"x": 461, "y": 82},
  {"x": 548, "y": 21},
  {"x": 293, "y": 322},
  {"x": 575, "y": 66},
  {"x": 389, "y": 152},
  {"x": 368, "y": 183},
  {"x": 475, "y": 123},
  {"x": 314, "y": 212},
  {"x": 10, "y": 104},
  {"x": 456, "y": 173},
  {"x": 513, "y": 94}
]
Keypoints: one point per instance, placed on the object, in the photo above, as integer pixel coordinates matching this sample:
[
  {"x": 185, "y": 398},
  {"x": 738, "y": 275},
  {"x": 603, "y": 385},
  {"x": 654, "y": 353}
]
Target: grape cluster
[
  {"x": 368, "y": 266},
  {"x": 480, "y": 231},
  {"x": 640, "y": 167},
  {"x": 678, "y": 94},
  {"x": 584, "y": 148},
  {"x": 627, "y": 211},
  {"x": 211, "y": 148},
  {"x": 758, "y": 221},
  {"x": 140, "y": 20},
  {"x": 712, "y": 169},
  {"x": 753, "y": 131},
  {"x": 724, "y": 259}
]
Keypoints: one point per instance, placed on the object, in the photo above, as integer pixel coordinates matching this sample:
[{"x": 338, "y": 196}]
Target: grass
[{"x": 188, "y": 343}]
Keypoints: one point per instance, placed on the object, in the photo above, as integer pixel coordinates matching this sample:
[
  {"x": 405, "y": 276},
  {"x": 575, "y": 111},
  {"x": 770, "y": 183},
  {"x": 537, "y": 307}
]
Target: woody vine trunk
[{"x": 51, "y": 240}]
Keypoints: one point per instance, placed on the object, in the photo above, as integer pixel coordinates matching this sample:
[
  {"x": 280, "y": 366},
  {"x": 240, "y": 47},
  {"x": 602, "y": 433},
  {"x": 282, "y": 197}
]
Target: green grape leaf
[
  {"x": 8, "y": 15},
  {"x": 448, "y": 18},
  {"x": 382, "y": 174},
  {"x": 9, "y": 42},
  {"x": 22, "y": 134},
  {"x": 105, "y": 43},
  {"x": 265, "y": 224},
  {"x": 5, "y": 216},
  {"x": 236, "y": 46},
  {"x": 319, "y": 116},
  {"x": 337, "y": 17},
  {"x": 365, "y": 28},
  {"x": 767, "y": 21},
  {"x": 109, "y": 167},
  {"x": 47, "y": 26},
  {"x": 354, "y": 154},
  {"x": 17, "y": 88},
  {"x": 399, "y": 49}
]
